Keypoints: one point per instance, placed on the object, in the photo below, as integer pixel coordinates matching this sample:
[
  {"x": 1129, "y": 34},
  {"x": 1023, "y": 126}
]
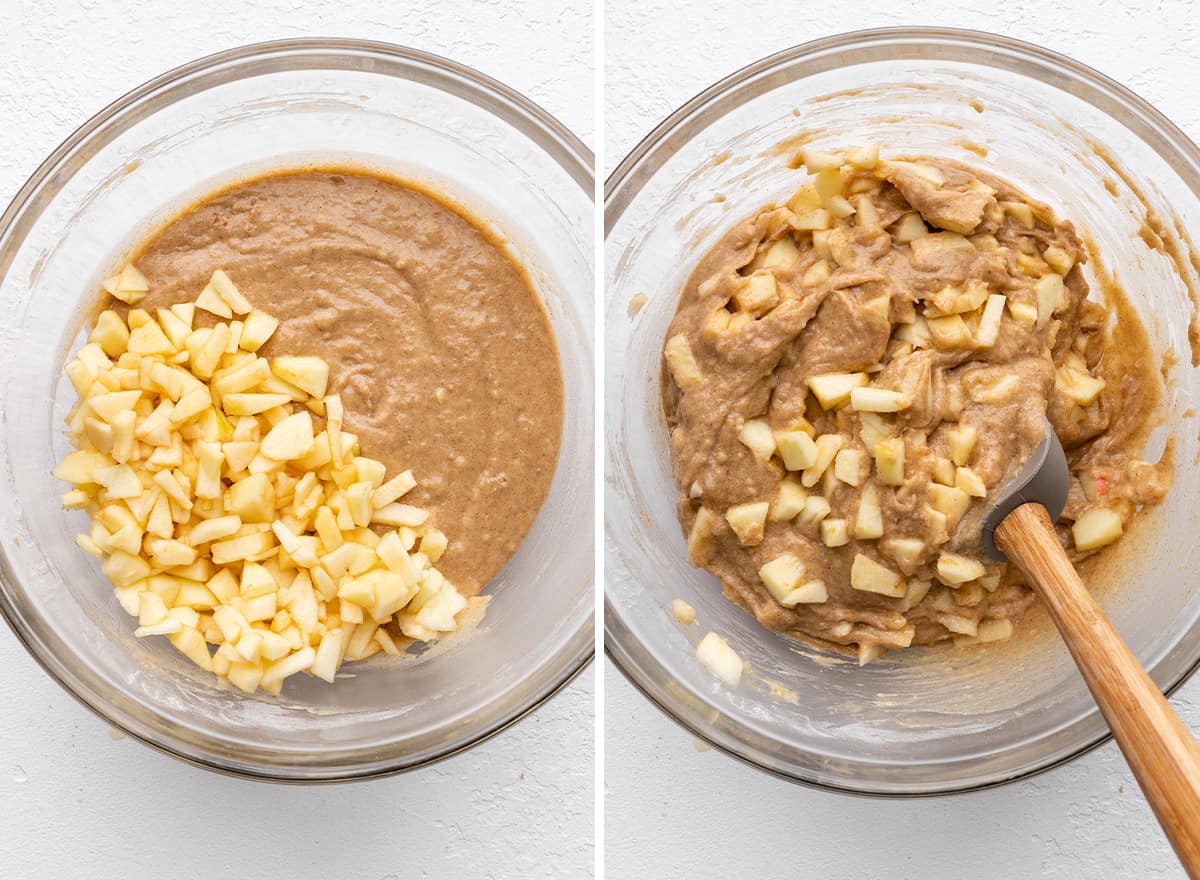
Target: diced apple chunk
[
  {"x": 758, "y": 293},
  {"x": 1096, "y": 528},
  {"x": 827, "y": 446},
  {"x": 1051, "y": 297},
  {"x": 869, "y": 576},
  {"x": 310, "y": 374},
  {"x": 796, "y": 448},
  {"x": 1058, "y": 259},
  {"x": 954, "y": 569},
  {"x": 682, "y": 363},
  {"x": 989, "y": 322},
  {"x": 994, "y": 630},
  {"x": 782, "y": 574},
  {"x": 833, "y": 389},
  {"x": 748, "y": 522},
  {"x": 290, "y": 439},
  {"x": 962, "y": 439},
  {"x": 970, "y": 482},
  {"x": 879, "y": 400},
  {"x": 868, "y": 522},
  {"x": 851, "y": 466},
  {"x": 700, "y": 536},
  {"x": 889, "y": 461},
  {"x": 950, "y": 331},
  {"x": 757, "y": 436},
  {"x": 1079, "y": 386},
  {"x": 835, "y": 532},
  {"x": 683, "y": 612},
  {"x": 815, "y": 509},
  {"x": 717, "y": 657},
  {"x": 949, "y": 500},
  {"x": 789, "y": 501}
]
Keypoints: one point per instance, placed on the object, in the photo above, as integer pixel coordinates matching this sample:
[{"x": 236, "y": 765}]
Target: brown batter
[
  {"x": 878, "y": 272},
  {"x": 441, "y": 353}
]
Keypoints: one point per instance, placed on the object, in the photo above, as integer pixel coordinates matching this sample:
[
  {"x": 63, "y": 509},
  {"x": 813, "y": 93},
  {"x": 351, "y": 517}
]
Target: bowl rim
[
  {"x": 1168, "y": 138},
  {"x": 551, "y": 135}
]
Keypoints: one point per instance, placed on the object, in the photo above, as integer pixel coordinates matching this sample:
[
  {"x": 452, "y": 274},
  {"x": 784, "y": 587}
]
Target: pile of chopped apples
[{"x": 224, "y": 516}]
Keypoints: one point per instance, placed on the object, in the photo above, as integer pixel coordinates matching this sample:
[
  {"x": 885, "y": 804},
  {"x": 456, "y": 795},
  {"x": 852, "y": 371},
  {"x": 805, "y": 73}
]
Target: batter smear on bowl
[{"x": 852, "y": 374}]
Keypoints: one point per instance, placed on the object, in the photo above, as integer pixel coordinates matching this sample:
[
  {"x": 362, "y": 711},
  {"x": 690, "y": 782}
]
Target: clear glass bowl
[
  {"x": 921, "y": 722},
  {"x": 130, "y": 167}
]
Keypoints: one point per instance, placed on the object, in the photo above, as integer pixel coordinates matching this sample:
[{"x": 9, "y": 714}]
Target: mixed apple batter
[{"x": 852, "y": 375}]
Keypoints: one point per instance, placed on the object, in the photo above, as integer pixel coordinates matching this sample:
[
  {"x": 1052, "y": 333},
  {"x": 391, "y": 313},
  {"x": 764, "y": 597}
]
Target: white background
[
  {"x": 675, "y": 813},
  {"x": 76, "y": 803}
]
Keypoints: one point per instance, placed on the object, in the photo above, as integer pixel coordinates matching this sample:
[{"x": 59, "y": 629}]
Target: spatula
[{"x": 1160, "y": 749}]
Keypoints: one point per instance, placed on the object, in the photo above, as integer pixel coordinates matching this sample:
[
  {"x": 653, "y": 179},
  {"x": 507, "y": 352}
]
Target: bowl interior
[
  {"x": 923, "y": 721},
  {"x": 272, "y": 107}
]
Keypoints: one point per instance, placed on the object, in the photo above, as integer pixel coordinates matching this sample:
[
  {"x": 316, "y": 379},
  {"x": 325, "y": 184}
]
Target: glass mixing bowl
[
  {"x": 130, "y": 167},
  {"x": 920, "y": 722}
]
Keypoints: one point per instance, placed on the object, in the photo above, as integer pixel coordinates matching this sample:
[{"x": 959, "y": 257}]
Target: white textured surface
[
  {"x": 673, "y": 812},
  {"x": 76, "y": 803}
]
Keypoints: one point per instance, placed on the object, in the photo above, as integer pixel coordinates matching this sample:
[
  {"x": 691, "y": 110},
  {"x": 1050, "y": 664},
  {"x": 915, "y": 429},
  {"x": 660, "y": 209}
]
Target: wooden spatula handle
[{"x": 1160, "y": 749}]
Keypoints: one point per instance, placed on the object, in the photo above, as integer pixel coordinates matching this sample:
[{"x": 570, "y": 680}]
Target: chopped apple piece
[
  {"x": 757, "y": 436},
  {"x": 908, "y": 552},
  {"x": 869, "y": 576},
  {"x": 780, "y": 256},
  {"x": 909, "y": 228},
  {"x": 1096, "y": 528},
  {"x": 929, "y": 251},
  {"x": 954, "y": 569},
  {"x": 970, "y": 482},
  {"x": 889, "y": 461},
  {"x": 782, "y": 575},
  {"x": 211, "y": 301},
  {"x": 1024, "y": 313},
  {"x": 110, "y": 333},
  {"x": 815, "y": 509},
  {"x": 816, "y": 161},
  {"x": 828, "y": 446},
  {"x": 700, "y": 536},
  {"x": 309, "y": 374},
  {"x": 227, "y": 290},
  {"x": 994, "y": 630},
  {"x": 950, "y": 331},
  {"x": 879, "y": 400},
  {"x": 962, "y": 439},
  {"x": 989, "y": 322},
  {"x": 1078, "y": 385},
  {"x": 1058, "y": 259},
  {"x": 717, "y": 657},
  {"x": 290, "y": 439},
  {"x": 1051, "y": 297},
  {"x": 789, "y": 501},
  {"x": 748, "y": 522},
  {"x": 864, "y": 158},
  {"x": 1020, "y": 212},
  {"x": 950, "y": 500},
  {"x": 682, "y": 363},
  {"x": 835, "y": 532},
  {"x": 874, "y": 429},
  {"x": 833, "y": 389},
  {"x": 851, "y": 466},
  {"x": 796, "y": 448},
  {"x": 683, "y": 612},
  {"x": 868, "y": 522},
  {"x": 816, "y": 274},
  {"x": 758, "y": 293}
]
